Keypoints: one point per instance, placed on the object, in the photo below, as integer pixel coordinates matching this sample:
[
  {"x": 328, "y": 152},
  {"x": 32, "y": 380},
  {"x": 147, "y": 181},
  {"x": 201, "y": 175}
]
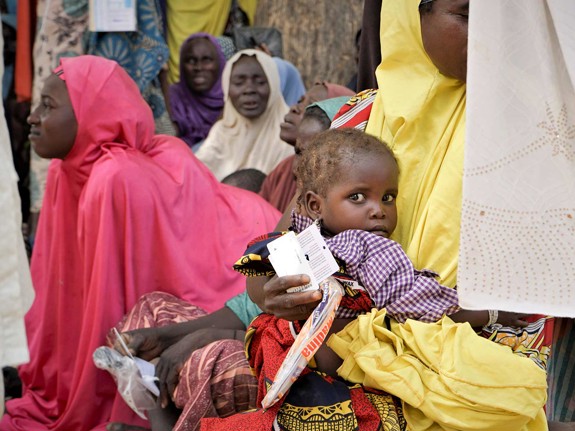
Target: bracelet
[{"x": 493, "y": 316}]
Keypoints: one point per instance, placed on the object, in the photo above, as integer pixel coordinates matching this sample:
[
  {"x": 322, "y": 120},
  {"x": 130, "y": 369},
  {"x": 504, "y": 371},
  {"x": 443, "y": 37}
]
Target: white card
[
  {"x": 322, "y": 262},
  {"x": 288, "y": 258},
  {"x": 306, "y": 253},
  {"x": 112, "y": 15},
  {"x": 148, "y": 373}
]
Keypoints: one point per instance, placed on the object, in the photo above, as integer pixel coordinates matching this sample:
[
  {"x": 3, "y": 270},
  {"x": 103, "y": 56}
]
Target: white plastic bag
[
  {"x": 138, "y": 389},
  {"x": 307, "y": 342}
]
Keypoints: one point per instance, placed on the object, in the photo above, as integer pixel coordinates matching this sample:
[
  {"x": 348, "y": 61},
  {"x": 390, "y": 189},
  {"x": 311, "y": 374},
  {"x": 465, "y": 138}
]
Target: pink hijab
[{"x": 125, "y": 213}]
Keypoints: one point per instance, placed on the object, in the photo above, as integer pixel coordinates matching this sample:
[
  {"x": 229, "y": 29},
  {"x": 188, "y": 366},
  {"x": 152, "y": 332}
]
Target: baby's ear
[{"x": 313, "y": 204}]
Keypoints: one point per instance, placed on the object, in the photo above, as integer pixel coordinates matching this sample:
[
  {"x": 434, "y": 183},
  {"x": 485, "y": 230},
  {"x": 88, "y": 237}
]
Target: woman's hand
[
  {"x": 173, "y": 358},
  {"x": 516, "y": 320},
  {"x": 289, "y": 306},
  {"x": 147, "y": 343}
]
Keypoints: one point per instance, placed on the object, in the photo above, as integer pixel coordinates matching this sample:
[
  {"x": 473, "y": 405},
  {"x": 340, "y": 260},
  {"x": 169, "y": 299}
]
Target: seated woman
[
  {"x": 197, "y": 100},
  {"x": 420, "y": 111},
  {"x": 348, "y": 185},
  {"x": 125, "y": 213},
  {"x": 247, "y": 136},
  {"x": 183, "y": 336}
]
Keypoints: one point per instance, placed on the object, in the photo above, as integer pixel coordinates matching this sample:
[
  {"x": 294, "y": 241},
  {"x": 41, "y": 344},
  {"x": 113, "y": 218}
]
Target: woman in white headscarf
[{"x": 247, "y": 136}]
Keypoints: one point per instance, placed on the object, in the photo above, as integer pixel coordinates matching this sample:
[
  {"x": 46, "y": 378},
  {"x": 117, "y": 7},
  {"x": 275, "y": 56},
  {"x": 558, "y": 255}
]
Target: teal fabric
[
  {"x": 331, "y": 106},
  {"x": 244, "y": 308}
]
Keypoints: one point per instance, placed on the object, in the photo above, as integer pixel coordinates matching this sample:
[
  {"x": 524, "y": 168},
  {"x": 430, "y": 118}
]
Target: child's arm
[
  {"x": 481, "y": 318},
  {"x": 325, "y": 358}
]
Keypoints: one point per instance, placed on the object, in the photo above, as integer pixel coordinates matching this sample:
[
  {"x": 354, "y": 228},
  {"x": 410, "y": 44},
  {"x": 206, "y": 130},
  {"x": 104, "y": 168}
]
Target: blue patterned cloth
[{"x": 142, "y": 53}]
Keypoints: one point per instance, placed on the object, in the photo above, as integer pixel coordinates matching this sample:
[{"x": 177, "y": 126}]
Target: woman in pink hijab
[{"x": 125, "y": 213}]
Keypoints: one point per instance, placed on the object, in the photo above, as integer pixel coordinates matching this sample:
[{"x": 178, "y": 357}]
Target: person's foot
[
  {"x": 561, "y": 426},
  {"x": 116, "y": 426}
]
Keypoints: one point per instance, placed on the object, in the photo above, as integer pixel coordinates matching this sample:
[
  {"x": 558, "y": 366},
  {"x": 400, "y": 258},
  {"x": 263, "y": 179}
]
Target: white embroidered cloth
[{"x": 517, "y": 249}]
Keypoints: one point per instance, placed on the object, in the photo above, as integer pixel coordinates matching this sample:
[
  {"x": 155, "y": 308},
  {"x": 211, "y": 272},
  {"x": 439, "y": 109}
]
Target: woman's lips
[{"x": 33, "y": 135}]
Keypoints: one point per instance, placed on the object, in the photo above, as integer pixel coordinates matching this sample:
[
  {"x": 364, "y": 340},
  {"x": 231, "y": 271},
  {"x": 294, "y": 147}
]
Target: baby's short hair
[
  {"x": 321, "y": 162},
  {"x": 316, "y": 113},
  {"x": 248, "y": 179}
]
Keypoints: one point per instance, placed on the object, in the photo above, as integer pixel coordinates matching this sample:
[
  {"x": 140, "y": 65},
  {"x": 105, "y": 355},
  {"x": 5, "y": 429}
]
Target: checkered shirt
[{"x": 381, "y": 267}]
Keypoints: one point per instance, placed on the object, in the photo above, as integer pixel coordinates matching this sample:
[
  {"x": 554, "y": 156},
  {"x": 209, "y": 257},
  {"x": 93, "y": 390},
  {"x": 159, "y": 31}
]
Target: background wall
[{"x": 318, "y": 36}]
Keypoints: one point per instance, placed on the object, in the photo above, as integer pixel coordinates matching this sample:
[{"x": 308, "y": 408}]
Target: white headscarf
[{"x": 235, "y": 142}]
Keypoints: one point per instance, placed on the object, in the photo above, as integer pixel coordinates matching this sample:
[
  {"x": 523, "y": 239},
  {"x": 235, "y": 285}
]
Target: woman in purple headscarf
[{"x": 197, "y": 100}]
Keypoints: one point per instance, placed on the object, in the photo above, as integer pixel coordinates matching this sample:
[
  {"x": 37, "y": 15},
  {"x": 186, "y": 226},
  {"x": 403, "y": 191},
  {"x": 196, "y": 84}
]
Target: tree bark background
[{"x": 318, "y": 36}]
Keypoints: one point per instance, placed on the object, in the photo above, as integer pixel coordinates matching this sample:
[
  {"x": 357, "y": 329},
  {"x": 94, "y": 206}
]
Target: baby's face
[{"x": 364, "y": 197}]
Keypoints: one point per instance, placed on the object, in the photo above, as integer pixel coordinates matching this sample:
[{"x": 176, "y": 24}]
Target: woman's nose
[
  {"x": 249, "y": 88},
  {"x": 33, "y": 118}
]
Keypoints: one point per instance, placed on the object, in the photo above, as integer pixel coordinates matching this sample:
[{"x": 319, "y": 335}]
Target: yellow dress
[
  {"x": 446, "y": 376},
  {"x": 421, "y": 115}
]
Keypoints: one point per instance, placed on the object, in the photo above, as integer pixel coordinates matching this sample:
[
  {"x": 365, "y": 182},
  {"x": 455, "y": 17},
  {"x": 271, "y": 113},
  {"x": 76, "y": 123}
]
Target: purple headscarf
[{"x": 195, "y": 113}]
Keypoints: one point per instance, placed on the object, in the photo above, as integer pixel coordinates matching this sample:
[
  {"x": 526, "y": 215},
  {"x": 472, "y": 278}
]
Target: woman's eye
[
  {"x": 388, "y": 198},
  {"x": 357, "y": 197}
]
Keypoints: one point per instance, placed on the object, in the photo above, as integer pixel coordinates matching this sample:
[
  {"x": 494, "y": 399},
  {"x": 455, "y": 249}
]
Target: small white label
[
  {"x": 112, "y": 15},
  {"x": 306, "y": 253}
]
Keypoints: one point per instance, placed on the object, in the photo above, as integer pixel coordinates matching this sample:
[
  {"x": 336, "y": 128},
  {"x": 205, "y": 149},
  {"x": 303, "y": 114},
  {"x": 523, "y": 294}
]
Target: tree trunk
[{"x": 318, "y": 36}]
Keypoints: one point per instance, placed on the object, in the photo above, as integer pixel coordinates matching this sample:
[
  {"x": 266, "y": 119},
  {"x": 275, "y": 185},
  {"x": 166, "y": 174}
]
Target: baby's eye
[
  {"x": 357, "y": 197},
  {"x": 388, "y": 198}
]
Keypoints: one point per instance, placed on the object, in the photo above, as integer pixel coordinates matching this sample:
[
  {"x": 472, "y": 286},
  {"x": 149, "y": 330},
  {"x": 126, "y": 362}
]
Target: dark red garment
[
  {"x": 280, "y": 186},
  {"x": 315, "y": 399}
]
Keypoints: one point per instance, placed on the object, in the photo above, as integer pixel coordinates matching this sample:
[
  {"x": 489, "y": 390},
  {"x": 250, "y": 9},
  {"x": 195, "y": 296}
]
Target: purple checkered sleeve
[{"x": 381, "y": 266}]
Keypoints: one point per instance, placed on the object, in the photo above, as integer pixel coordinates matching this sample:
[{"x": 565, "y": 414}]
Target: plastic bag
[
  {"x": 307, "y": 342},
  {"x": 135, "y": 387}
]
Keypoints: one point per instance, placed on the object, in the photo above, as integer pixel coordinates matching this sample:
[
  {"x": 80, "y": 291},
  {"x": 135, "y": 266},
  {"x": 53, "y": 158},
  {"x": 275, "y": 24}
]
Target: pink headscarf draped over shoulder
[{"x": 125, "y": 213}]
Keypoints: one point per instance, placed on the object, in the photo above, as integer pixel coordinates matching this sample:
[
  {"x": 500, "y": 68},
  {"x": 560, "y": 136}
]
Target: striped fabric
[
  {"x": 561, "y": 373},
  {"x": 215, "y": 381},
  {"x": 355, "y": 113}
]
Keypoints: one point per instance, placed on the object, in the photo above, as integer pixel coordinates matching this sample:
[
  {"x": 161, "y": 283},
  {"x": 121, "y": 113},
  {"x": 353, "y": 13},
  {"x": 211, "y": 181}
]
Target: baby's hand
[{"x": 508, "y": 318}]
